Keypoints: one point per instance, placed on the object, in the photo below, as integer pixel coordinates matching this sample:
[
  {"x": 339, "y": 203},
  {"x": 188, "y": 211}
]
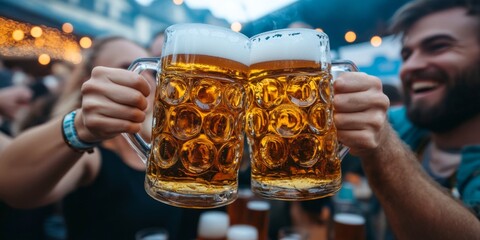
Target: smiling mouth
[{"x": 424, "y": 86}]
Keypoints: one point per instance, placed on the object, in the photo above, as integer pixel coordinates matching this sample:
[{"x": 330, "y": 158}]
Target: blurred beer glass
[
  {"x": 258, "y": 216},
  {"x": 197, "y": 136},
  {"x": 289, "y": 122},
  {"x": 238, "y": 209},
  {"x": 292, "y": 233},
  {"x": 152, "y": 234},
  {"x": 213, "y": 225},
  {"x": 242, "y": 232},
  {"x": 348, "y": 219}
]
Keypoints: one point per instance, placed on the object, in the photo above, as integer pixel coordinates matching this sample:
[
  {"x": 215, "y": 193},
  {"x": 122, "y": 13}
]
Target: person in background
[
  {"x": 12, "y": 99},
  {"x": 428, "y": 183},
  {"x": 416, "y": 206},
  {"x": 102, "y": 193},
  {"x": 156, "y": 44}
]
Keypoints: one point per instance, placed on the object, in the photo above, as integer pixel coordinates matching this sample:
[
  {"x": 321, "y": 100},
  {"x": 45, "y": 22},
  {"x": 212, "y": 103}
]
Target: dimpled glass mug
[
  {"x": 295, "y": 154},
  {"x": 197, "y": 134}
]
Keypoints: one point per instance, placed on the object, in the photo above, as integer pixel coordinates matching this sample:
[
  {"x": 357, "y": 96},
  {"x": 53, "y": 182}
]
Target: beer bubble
[
  {"x": 197, "y": 155},
  {"x": 256, "y": 122},
  {"x": 239, "y": 128},
  {"x": 229, "y": 156},
  {"x": 269, "y": 93},
  {"x": 206, "y": 94},
  {"x": 219, "y": 125},
  {"x": 287, "y": 120},
  {"x": 273, "y": 151},
  {"x": 306, "y": 150},
  {"x": 159, "y": 117},
  {"x": 330, "y": 143},
  {"x": 235, "y": 96},
  {"x": 320, "y": 118},
  {"x": 185, "y": 122},
  {"x": 165, "y": 150},
  {"x": 173, "y": 90},
  {"x": 249, "y": 95},
  {"x": 326, "y": 89},
  {"x": 302, "y": 90}
]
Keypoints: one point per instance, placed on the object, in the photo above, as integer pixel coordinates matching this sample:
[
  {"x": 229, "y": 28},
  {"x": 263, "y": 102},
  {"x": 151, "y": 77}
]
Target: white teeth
[{"x": 416, "y": 86}]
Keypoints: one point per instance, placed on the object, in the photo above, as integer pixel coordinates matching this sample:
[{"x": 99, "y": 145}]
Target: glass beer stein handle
[
  {"x": 339, "y": 66},
  {"x": 135, "y": 140}
]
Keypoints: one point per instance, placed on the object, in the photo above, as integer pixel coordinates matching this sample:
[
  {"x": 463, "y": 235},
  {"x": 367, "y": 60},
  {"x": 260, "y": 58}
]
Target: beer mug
[
  {"x": 197, "y": 135},
  {"x": 289, "y": 122}
]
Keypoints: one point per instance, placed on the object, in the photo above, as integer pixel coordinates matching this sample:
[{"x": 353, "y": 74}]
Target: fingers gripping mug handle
[
  {"x": 135, "y": 140},
  {"x": 339, "y": 66}
]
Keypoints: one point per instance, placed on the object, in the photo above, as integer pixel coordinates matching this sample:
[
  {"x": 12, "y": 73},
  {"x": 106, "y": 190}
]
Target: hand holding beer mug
[
  {"x": 289, "y": 121},
  {"x": 197, "y": 135}
]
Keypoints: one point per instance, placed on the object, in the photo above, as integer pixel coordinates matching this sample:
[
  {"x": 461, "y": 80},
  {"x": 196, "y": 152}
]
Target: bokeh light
[
  {"x": 236, "y": 26},
  {"x": 178, "y": 2},
  {"x": 318, "y": 29},
  {"x": 350, "y": 36},
  {"x": 18, "y": 35},
  {"x": 36, "y": 32},
  {"x": 85, "y": 42},
  {"x": 24, "y": 40},
  {"x": 67, "y": 28},
  {"x": 376, "y": 41},
  {"x": 44, "y": 59}
]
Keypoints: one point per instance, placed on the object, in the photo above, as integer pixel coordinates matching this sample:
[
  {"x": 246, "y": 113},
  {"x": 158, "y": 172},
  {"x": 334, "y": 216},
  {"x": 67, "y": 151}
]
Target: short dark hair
[{"x": 413, "y": 11}]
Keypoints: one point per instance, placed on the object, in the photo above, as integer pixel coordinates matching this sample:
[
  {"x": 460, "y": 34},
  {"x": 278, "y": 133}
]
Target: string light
[
  {"x": 44, "y": 59},
  {"x": 85, "y": 42},
  {"x": 350, "y": 36},
  {"x": 236, "y": 26},
  {"x": 41, "y": 40},
  {"x": 18, "y": 35},
  {"x": 36, "y": 32},
  {"x": 178, "y": 2},
  {"x": 376, "y": 41},
  {"x": 67, "y": 28}
]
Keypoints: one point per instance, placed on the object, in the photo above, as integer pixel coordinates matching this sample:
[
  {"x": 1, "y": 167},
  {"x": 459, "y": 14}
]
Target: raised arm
[
  {"x": 416, "y": 207},
  {"x": 38, "y": 167}
]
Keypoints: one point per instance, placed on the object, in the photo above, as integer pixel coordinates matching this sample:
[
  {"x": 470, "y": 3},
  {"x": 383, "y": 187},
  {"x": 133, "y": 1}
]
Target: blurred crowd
[{"x": 85, "y": 198}]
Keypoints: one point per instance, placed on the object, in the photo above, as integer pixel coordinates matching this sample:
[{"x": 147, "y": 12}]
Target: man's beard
[{"x": 460, "y": 103}]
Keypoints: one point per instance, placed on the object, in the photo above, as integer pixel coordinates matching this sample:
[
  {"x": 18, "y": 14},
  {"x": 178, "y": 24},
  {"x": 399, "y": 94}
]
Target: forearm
[
  {"x": 34, "y": 163},
  {"x": 416, "y": 207}
]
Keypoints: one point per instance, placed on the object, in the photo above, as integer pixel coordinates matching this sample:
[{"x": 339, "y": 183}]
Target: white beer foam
[
  {"x": 349, "y": 218},
  {"x": 258, "y": 205},
  {"x": 196, "y": 38},
  {"x": 242, "y": 232},
  {"x": 290, "y": 44},
  {"x": 213, "y": 224}
]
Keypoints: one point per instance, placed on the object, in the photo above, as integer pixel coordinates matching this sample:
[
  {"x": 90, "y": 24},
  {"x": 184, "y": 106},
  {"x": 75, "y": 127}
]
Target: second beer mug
[
  {"x": 289, "y": 123},
  {"x": 197, "y": 135}
]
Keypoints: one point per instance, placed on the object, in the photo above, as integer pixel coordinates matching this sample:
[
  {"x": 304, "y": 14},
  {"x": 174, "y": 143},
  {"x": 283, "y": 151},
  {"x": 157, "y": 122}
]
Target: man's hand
[{"x": 360, "y": 112}]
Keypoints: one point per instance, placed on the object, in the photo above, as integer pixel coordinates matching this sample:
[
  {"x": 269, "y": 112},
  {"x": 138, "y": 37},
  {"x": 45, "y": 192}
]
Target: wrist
[
  {"x": 83, "y": 133},
  {"x": 71, "y": 137}
]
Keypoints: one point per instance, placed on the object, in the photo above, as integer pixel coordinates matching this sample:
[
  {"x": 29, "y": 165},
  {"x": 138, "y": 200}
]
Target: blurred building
[{"x": 351, "y": 25}]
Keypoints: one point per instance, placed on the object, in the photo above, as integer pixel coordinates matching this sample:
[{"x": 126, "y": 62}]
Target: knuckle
[{"x": 98, "y": 71}]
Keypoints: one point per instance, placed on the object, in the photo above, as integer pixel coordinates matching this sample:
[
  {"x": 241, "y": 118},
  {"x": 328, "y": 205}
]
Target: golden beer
[
  {"x": 198, "y": 116},
  {"x": 289, "y": 121},
  {"x": 198, "y": 140}
]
